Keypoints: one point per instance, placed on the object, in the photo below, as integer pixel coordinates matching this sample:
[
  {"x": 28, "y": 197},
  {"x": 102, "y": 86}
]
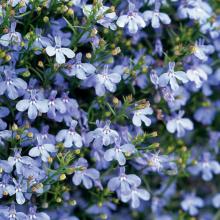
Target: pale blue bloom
[
  {"x": 70, "y": 136},
  {"x": 133, "y": 19},
  {"x": 11, "y": 213},
  {"x": 103, "y": 16},
  {"x": 206, "y": 166},
  {"x": 135, "y": 195},
  {"x": 42, "y": 150},
  {"x": 12, "y": 37},
  {"x": 84, "y": 175},
  {"x": 5, "y": 166},
  {"x": 140, "y": 116},
  {"x": 5, "y": 187},
  {"x": 34, "y": 215},
  {"x": 171, "y": 77},
  {"x": 202, "y": 51},
  {"x": 205, "y": 115},
  {"x": 10, "y": 84},
  {"x": 20, "y": 161},
  {"x": 123, "y": 183},
  {"x": 79, "y": 69},
  {"x": 34, "y": 106},
  {"x": 179, "y": 124},
  {"x": 19, "y": 189},
  {"x": 211, "y": 28},
  {"x": 103, "y": 135},
  {"x": 59, "y": 51},
  {"x": 55, "y": 105},
  {"x": 106, "y": 81},
  {"x": 198, "y": 74},
  {"x": 117, "y": 153},
  {"x": 3, "y": 113},
  {"x": 216, "y": 201},
  {"x": 181, "y": 96},
  {"x": 40, "y": 42},
  {"x": 191, "y": 203},
  {"x": 156, "y": 16},
  {"x": 195, "y": 9}
]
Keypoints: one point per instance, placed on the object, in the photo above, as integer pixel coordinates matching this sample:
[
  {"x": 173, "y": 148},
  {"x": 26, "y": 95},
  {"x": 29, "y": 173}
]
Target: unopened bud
[
  {"x": 62, "y": 177},
  {"x": 7, "y": 58},
  {"x": 50, "y": 159},
  {"x": 46, "y": 19},
  {"x": 88, "y": 55},
  {"x": 58, "y": 200},
  {"x": 40, "y": 64}
]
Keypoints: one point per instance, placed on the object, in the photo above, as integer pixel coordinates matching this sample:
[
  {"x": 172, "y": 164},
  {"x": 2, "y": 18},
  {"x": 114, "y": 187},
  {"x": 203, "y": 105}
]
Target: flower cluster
[{"x": 109, "y": 109}]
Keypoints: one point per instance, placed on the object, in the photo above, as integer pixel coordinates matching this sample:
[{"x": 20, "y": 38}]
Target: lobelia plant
[{"x": 109, "y": 109}]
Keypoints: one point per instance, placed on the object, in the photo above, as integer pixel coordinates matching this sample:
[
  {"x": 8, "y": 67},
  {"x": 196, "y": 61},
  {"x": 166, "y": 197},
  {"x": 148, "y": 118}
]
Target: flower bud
[{"x": 62, "y": 177}]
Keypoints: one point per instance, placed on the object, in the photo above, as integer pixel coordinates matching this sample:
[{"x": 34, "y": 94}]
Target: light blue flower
[
  {"x": 42, "y": 150},
  {"x": 106, "y": 81},
  {"x": 191, "y": 203},
  {"x": 19, "y": 189},
  {"x": 59, "y": 51},
  {"x": 5, "y": 187},
  {"x": 123, "y": 183},
  {"x": 181, "y": 96},
  {"x": 198, "y": 74},
  {"x": 156, "y": 16},
  {"x": 135, "y": 195},
  {"x": 34, "y": 215},
  {"x": 171, "y": 77},
  {"x": 201, "y": 51},
  {"x": 79, "y": 69},
  {"x": 84, "y": 175},
  {"x": 33, "y": 105},
  {"x": 140, "y": 116},
  {"x": 133, "y": 19},
  {"x": 206, "y": 166},
  {"x": 70, "y": 136},
  {"x": 102, "y": 14},
  {"x": 103, "y": 135},
  {"x": 10, "y": 84},
  {"x": 11, "y": 213},
  {"x": 40, "y": 42},
  {"x": 55, "y": 105},
  {"x": 12, "y": 37},
  {"x": 179, "y": 125},
  {"x": 117, "y": 153},
  {"x": 20, "y": 161},
  {"x": 216, "y": 201},
  {"x": 195, "y": 9}
]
